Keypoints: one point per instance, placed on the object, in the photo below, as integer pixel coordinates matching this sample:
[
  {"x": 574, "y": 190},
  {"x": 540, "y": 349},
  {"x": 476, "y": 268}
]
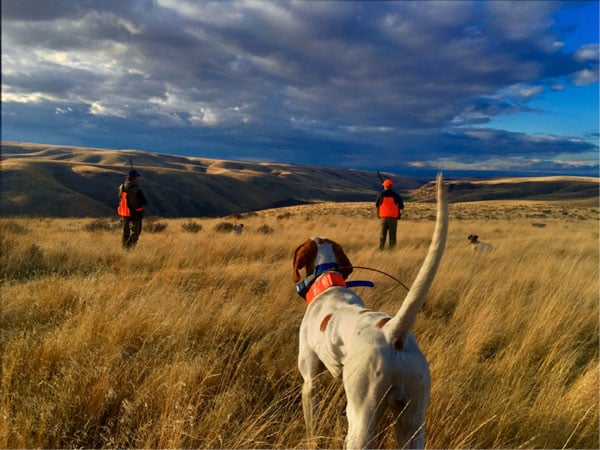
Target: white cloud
[
  {"x": 204, "y": 116},
  {"x": 33, "y": 97},
  {"x": 100, "y": 108},
  {"x": 530, "y": 91},
  {"x": 368, "y": 129},
  {"x": 588, "y": 52},
  {"x": 585, "y": 77}
]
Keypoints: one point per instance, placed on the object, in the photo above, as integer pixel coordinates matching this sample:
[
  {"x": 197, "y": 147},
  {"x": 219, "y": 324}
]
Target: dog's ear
[
  {"x": 342, "y": 259},
  {"x": 304, "y": 256}
]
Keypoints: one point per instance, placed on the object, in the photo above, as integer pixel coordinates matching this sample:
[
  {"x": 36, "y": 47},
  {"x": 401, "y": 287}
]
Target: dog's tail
[{"x": 398, "y": 327}]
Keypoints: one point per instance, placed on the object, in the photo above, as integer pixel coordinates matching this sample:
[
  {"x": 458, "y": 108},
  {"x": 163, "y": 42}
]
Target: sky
[{"x": 484, "y": 87}]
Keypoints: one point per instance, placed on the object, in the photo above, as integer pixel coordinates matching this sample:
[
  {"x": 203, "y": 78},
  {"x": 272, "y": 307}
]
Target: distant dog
[
  {"x": 376, "y": 355},
  {"x": 477, "y": 245}
]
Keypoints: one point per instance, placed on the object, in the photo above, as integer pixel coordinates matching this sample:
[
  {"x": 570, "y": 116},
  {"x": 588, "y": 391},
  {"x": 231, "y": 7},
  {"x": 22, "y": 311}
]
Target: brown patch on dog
[
  {"x": 365, "y": 311},
  {"x": 398, "y": 344},
  {"x": 342, "y": 259},
  {"x": 382, "y": 322},
  {"x": 304, "y": 257},
  {"x": 324, "y": 322}
]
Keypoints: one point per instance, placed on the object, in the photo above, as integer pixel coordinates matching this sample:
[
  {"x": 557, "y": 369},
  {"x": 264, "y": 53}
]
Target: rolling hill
[{"x": 58, "y": 181}]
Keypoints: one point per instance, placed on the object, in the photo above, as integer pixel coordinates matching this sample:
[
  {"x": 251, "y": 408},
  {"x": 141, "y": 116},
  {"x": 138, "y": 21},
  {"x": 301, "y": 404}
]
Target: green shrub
[
  {"x": 191, "y": 227},
  {"x": 224, "y": 227},
  {"x": 11, "y": 226},
  {"x": 155, "y": 227},
  {"x": 99, "y": 225},
  {"x": 20, "y": 262},
  {"x": 265, "y": 229}
]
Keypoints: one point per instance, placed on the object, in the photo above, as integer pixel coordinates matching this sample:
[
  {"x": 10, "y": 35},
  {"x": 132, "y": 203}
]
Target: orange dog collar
[{"x": 324, "y": 282}]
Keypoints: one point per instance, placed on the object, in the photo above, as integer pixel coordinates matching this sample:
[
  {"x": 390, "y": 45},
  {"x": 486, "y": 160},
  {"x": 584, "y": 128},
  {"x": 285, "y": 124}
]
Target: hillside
[
  {"x": 530, "y": 188},
  {"x": 59, "y": 181}
]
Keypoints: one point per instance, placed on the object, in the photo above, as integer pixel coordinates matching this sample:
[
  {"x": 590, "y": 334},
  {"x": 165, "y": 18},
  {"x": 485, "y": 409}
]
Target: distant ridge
[
  {"x": 60, "y": 181},
  {"x": 554, "y": 188}
]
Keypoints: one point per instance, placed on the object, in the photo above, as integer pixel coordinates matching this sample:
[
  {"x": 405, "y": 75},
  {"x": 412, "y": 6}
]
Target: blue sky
[{"x": 483, "y": 87}]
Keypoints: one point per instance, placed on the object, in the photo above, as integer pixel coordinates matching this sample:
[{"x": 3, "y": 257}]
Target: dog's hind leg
[
  {"x": 410, "y": 425},
  {"x": 410, "y": 430},
  {"x": 310, "y": 367},
  {"x": 363, "y": 416},
  {"x": 366, "y": 397}
]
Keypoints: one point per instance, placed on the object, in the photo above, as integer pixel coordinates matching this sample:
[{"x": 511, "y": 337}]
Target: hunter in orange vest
[
  {"x": 388, "y": 204},
  {"x": 131, "y": 209}
]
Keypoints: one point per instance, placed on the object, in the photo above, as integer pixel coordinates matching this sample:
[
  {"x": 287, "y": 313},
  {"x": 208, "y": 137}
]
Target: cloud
[
  {"x": 588, "y": 52},
  {"x": 314, "y": 82},
  {"x": 585, "y": 77}
]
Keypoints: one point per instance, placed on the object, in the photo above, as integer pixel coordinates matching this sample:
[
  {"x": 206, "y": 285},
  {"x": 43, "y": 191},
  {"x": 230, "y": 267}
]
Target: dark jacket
[
  {"x": 135, "y": 199},
  {"x": 389, "y": 204}
]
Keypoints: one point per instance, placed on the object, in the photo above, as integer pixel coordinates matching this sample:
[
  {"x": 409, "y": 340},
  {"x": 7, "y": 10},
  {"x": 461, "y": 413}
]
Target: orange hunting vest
[
  {"x": 389, "y": 208},
  {"x": 123, "y": 208}
]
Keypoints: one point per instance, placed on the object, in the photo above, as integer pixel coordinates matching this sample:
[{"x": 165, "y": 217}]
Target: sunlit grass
[{"x": 190, "y": 340}]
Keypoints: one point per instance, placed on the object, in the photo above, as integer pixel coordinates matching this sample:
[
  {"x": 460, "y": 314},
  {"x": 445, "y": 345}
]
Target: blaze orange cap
[{"x": 387, "y": 183}]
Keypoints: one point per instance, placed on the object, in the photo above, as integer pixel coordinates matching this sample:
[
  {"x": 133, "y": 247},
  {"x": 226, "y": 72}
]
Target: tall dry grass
[{"x": 190, "y": 340}]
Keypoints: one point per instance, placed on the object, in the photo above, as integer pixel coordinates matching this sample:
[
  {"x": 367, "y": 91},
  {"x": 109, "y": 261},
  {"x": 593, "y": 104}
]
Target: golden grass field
[{"x": 190, "y": 340}]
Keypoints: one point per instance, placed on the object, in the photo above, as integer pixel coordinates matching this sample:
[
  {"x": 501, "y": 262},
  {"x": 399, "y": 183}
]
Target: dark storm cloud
[{"x": 334, "y": 83}]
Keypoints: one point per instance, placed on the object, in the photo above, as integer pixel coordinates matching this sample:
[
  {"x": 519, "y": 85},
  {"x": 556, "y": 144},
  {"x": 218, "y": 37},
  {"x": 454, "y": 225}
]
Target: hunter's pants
[
  {"x": 388, "y": 227},
  {"x": 132, "y": 228}
]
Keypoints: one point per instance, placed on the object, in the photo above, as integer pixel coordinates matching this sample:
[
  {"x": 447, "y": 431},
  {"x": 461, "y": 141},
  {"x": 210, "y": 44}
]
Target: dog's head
[
  {"x": 317, "y": 251},
  {"x": 473, "y": 238}
]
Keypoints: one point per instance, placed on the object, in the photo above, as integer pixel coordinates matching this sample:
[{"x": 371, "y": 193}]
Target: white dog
[
  {"x": 477, "y": 245},
  {"x": 376, "y": 354},
  {"x": 238, "y": 228}
]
